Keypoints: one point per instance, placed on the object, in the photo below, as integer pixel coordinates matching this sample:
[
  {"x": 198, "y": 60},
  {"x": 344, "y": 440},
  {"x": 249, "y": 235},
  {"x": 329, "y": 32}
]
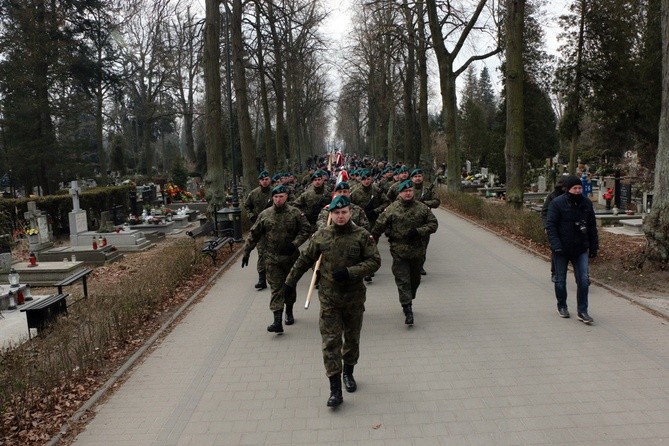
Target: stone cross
[
  {"x": 32, "y": 214},
  {"x": 74, "y": 192}
]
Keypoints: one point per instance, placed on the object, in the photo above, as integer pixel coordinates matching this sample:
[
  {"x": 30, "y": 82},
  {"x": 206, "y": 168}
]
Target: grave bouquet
[
  {"x": 32, "y": 231},
  {"x": 608, "y": 196}
]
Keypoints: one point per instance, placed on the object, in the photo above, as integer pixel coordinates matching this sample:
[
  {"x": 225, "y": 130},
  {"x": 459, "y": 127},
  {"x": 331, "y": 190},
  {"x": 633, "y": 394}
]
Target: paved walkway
[{"x": 488, "y": 362}]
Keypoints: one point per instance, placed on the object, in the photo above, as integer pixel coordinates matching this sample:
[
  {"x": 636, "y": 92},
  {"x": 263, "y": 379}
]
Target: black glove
[
  {"x": 340, "y": 274},
  {"x": 254, "y": 219},
  {"x": 288, "y": 250},
  {"x": 372, "y": 214},
  {"x": 412, "y": 234},
  {"x": 288, "y": 292},
  {"x": 245, "y": 261},
  {"x": 592, "y": 254}
]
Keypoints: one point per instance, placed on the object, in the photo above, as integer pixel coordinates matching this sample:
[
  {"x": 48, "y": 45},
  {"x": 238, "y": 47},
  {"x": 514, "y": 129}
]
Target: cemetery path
[{"x": 488, "y": 362}]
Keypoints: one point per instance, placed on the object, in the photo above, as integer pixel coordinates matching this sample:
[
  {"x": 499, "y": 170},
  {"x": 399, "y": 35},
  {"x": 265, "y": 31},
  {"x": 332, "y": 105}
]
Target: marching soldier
[
  {"x": 424, "y": 192},
  {"x": 312, "y": 200},
  {"x": 348, "y": 254},
  {"x": 257, "y": 201},
  {"x": 282, "y": 229},
  {"x": 406, "y": 221},
  {"x": 402, "y": 175},
  {"x": 357, "y": 213},
  {"x": 386, "y": 180},
  {"x": 369, "y": 196}
]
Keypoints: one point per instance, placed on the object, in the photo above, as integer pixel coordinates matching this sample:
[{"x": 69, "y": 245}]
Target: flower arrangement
[
  {"x": 32, "y": 231},
  {"x": 167, "y": 211},
  {"x": 608, "y": 195}
]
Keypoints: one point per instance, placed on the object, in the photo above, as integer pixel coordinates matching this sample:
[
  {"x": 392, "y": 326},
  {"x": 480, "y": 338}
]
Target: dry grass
[{"x": 43, "y": 382}]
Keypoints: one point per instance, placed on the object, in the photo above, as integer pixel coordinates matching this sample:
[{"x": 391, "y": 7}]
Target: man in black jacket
[
  {"x": 559, "y": 190},
  {"x": 572, "y": 233}
]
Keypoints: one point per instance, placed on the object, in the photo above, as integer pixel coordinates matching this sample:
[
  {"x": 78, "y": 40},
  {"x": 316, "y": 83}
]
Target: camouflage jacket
[
  {"x": 424, "y": 192},
  {"x": 372, "y": 197},
  {"x": 398, "y": 219},
  {"x": 357, "y": 216},
  {"x": 392, "y": 193},
  {"x": 257, "y": 201},
  {"x": 277, "y": 228},
  {"x": 311, "y": 201},
  {"x": 348, "y": 246}
]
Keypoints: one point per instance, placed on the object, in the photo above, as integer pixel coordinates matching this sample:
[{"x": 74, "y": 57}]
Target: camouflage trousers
[
  {"x": 340, "y": 324},
  {"x": 261, "y": 260},
  {"x": 277, "y": 271},
  {"x": 407, "y": 277}
]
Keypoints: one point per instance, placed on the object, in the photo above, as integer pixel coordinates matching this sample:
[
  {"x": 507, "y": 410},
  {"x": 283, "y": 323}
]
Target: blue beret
[
  {"x": 406, "y": 184},
  {"x": 341, "y": 186},
  {"x": 263, "y": 174},
  {"x": 417, "y": 171},
  {"x": 281, "y": 189},
  {"x": 340, "y": 201}
]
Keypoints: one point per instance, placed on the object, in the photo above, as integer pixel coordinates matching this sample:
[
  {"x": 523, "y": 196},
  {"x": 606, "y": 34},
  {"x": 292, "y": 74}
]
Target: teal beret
[
  {"x": 281, "y": 189},
  {"x": 340, "y": 201},
  {"x": 263, "y": 174},
  {"x": 364, "y": 174},
  {"x": 342, "y": 186},
  {"x": 402, "y": 169},
  {"x": 417, "y": 171},
  {"x": 317, "y": 174},
  {"x": 277, "y": 177},
  {"x": 406, "y": 184}
]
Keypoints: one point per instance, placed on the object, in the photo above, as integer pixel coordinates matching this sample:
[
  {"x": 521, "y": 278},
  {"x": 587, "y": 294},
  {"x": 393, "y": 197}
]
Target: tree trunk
[
  {"x": 278, "y": 88},
  {"x": 241, "y": 95},
  {"x": 214, "y": 180},
  {"x": 99, "y": 96},
  {"x": 515, "y": 110},
  {"x": 575, "y": 103},
  {"x": 270, "y": 153},
  {"x": 656, "y": 225},
  {"x": 421, "y": 57},
  {"x": 411, "y": 149}
]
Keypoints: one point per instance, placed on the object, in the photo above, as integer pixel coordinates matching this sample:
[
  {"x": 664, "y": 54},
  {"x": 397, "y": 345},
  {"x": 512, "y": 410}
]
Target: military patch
[{"x": 353, "y": 251}]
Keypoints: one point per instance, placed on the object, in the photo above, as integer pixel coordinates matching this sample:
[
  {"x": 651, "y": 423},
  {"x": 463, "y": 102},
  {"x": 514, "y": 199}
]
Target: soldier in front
[{"x": 349, "y": 254}]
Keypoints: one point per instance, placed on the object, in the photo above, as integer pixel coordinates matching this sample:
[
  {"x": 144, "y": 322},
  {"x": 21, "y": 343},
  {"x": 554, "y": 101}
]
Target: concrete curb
[
  {"x": 102, "y": 391},
  {"x": 661, "y": 313}
]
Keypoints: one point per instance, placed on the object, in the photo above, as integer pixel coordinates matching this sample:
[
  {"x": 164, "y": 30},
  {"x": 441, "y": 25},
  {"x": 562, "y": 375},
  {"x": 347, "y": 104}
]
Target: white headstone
[
  {"x": 77, "y": 218},
  {"x": 541, "y": 184}
]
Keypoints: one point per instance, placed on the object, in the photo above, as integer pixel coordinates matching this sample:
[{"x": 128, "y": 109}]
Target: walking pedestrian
[
  {"x": 572, "y": 233},
  {"x": 559, "y": 190},
  {"x": 282, "y": 228},
  {"x": 349, "y": 253},
  {"x": 406, "y": 222}
]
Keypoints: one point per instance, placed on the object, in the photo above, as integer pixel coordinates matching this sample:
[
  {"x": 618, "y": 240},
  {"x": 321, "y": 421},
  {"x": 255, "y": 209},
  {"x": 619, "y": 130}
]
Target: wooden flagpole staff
[{"x": 314, "y": 277}]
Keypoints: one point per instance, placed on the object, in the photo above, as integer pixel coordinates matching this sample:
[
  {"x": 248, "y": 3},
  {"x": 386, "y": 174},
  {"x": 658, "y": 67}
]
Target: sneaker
[
  {"x": 585, "y": 318},
  {"x": 563, "y": 312}
]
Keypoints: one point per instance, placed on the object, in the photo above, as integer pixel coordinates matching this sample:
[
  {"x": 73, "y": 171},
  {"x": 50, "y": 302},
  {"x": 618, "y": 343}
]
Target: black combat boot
[
  {"x": 408, "y": 314},
  {"x": 335, "y": 391},
  {"x": 349, "y": 381},
  {"x": 262, "y": 282},
  {"x": 276, "y": 327},
  {"x": 290, "y": 320}
]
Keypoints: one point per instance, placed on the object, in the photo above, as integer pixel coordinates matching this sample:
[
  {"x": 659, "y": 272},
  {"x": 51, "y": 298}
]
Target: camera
[{"x": 582, "y": 226}]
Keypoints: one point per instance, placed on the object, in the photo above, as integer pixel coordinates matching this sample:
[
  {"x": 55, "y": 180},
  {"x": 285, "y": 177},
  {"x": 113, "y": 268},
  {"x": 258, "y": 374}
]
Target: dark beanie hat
[{"x": 571, "y": 181}]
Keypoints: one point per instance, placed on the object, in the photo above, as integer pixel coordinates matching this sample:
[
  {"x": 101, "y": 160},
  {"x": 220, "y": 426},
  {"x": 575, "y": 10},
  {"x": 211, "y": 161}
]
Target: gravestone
[
  {"x": 77, "y": 218},
  {"x": 625, "y": 196},
  {"x": 647, "y": 202},
  {"x": 39, "y": 222},
  {"x": 541, "y": 184}
]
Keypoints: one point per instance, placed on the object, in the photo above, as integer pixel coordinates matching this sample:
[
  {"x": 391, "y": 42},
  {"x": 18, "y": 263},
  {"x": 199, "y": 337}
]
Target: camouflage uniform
[
  {"x": 311, "y": 201},
  {"x": 257, "y": 201},
  {"x": 397, "y": 221},
  {"x": 341, "y": 303},
  {"x": 424, "y": 192},
  {"x": 358, "y": 217},
  {"x": 371, "y": 199},
  {"x": 282, "y": 230}
]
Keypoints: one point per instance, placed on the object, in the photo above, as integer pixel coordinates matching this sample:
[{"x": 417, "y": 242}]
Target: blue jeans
[{"x": 580, "y": 265}]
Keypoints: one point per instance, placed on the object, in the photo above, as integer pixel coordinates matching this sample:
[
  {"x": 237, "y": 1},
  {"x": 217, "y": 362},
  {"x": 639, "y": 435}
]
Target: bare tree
[{"x": 463, "y": 23}]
